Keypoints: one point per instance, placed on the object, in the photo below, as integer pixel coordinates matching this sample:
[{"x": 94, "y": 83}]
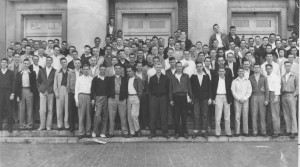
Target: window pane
[
  {"x": 157, "y": 24},
  {"x": 135, "y": 24},
  {"x": 263, "y": 23},
  {"x": 241, "y": 23}
]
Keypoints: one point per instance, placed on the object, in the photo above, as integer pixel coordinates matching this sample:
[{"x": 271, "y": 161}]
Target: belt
[
  {"x": 221, "y": 94},
  {"x": 84, "y": 94},
  {"x": 132, "y": 94},
  {"x": 25, "y": 87}
]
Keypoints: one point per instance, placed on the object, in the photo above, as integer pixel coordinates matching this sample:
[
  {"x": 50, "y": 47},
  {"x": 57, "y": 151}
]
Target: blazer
[
  {"x": 12, "y": 67},
  {"x": 228, "y": 73},
  {"x": 57, "y": 81},
  {"x": 169, "y": 73},
  {"x": 114, "y": 33},
  {"x": 235, "y": 69},
  {"x": 145, "y": 82},
  {"x": 182, "y": 87},
  {"x": 224, "y": 38},
  {"x": 123, "y": 88},
  {"x": 32, "y": 82},
  {"x": 260, "y": 88},
  {"x": 228, "y": 82},
  {"x": 71, "y": 80},
  {"x": 290, "y": 86},
  {"x": 236, "y": 40},
  {"x": 110, "y": 71},
  {"x": 138, "y": 86},
  {"x": 212, "y": 73},
  {"x": 45, "y": 83},
  {"x": 31, "y": 68},
  {"x": 201, "y": 92}
]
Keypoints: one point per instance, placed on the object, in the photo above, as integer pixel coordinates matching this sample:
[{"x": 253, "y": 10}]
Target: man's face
[
  {"x": 3, "y": 64},
  {"x": 216, "y": 29},
  {"x": 64, "y": 63},
  {"x": 236, "y": 50},
  {"x": 114, "y": 61},
  {"x": 294, "y": 51},
  {"x": 155, "y": 61},
  {"x": 36, "y": 45},
  {"x": 149, "y": 59},
  {"x": 112, "y": 21},
  {"x": 102, "y": 71},
  {"x": 17, "y": 58},
  {"x": 75, "y": 55},
  {"x": 93, "y": 61},
  {"x": 293, "y": 44},
  {"x": 97, "y": 42},
  {"x": 257, "y": 41},
  {"x": 205, "y": 49},
  {"x": 246, "y": 65},
  {"x": 49, "y": 62},
  {"x": 265, "y": 41},
  {"x": 10, "y": 52},
  {"x": 221, "y": 61},
  {"x": 256, "y": 69},
  {"x": 95, "y": 52},
  {"x": 222, "y": 72},
  {"x": 161, "y": 50},
  {"x": 56, "y": 51},
  {"x": 186, "y": 55},
  {"x": 171, "y": 41},
  {"x": 158, "y": 68},
  {"x": 18, "y": 47},
  {"x": 177, "y": 46},
  {"x": 207, "y": 62},
  {"x": 120, "y": 34},
  {"x": 281, "y": 53},
  {"x": 230, "y": 58},
  {"x": 119, "y": 42},
  {"x": 182, "y": 35},
  {"x": 140, "y": 54},
  {"x": 232, "y": 45},
  {"x": 107, "y": 40},
  {"x": 243, "y": 44},
  {"x": 64, "y": 45},
  {"x": 114, "y": 45},
  {"x": 145, "y": 48},
  {"x": 269, "y": 69},
  {"x": 199, "y": 67},
  {"x": 216, "y": 43},
  {"x": 241, "y": 73},
  {"x": 132, "y": 58},
  {"x": 41, "y": 52},
  {"x": 86, "y": 70},
  {"x": 108, "y": 50},
  {"x": 272, "y": 38},
  {"x": 35, "y": 60},
  {"x": 251, "y": 42},
  {"x": 192, "y": 50},
  {"x": 269, "y": 49},
  {"x": 252, "y": 50},
  {"x": 232, "y": 31},
  {"x": 56, "y": 42},
  {"x": 198, "y": 45},
  {"x": 28, "y": 49},
  {"x": 118, "y": 70},
  {"x": 287, "y": 67},
  {"x": 139, "y": 67},
  {"x": 24, "y": 43},
  {"x": 77, "y": 64},
  {"x": 220, "y": 52},
  {"x": 213, "y": 53},
  {"x": 278, "y": 44},
  {"x": 50, "y": 44},
  {"x": 291, "y": 58},
  {"x": 154, "y": 51},
  {"x": 172, "y": 63},
  {"x": 269, "y": 57},
  {"x": 130, "y": 72},
  {"x": 179, "y": 67},
  {"x": 122, "y": 55}
]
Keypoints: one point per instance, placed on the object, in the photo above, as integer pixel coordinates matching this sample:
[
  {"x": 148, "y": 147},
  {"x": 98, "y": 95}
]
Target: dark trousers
[
  {"x": 144, "y": 111},
  {"x": 6, "y": 103},
  {"x": 73, "y": 111},
  {"x": 158, "y": 106},
  {"x": 36, "y": 108},
  {"x": 200, "y": 111},
  {"x": 180, "y": 105}
]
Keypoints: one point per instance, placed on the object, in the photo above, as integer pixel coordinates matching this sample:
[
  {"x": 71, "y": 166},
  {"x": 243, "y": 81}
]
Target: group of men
[{"x": 152, "y": 86}]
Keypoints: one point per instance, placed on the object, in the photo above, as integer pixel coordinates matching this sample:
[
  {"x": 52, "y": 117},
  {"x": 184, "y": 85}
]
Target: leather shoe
[
  {"x": 138, "y": 133},
  {"x": 254, "y": 135},
  {"x": 39, "y": 129},
  {"x": 275, "y": 135},
  {"x": 246, "y": 134},
  {"x": 264, "y": 135},
  {"x": 151, "y": 136},
  {"x": 126, "y": 136},
  {"x": 217, "y": 136},
  {"x": 204, "y": 135},
  {"x": 229, "y": 136},
  {"x": 194, "y": 136},
  {"x": 165, "y": 136},
  {"x": 110, "y": 136},
  {"x": 176, "y": 136},
  {"x": 236, "y": 135},
  {"x": 59, "y": 129},
  {"x": 292, "y": 136},
  {"x": 80, "y": 137}
]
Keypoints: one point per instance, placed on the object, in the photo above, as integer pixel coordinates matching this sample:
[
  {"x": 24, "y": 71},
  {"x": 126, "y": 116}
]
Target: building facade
[{"x": 79, "y": 21}]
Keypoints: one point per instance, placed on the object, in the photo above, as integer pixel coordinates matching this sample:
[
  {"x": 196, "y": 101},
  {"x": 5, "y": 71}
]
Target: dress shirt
[
  {"x": 294, "y": 69},
  {"x": 48, "y": 70},
  {"x": 111, "y": 29},
  {"x": 207, "y": 70},
  {"x": 275, "y": 68},
  {"x": 139, "y": 74},
  {"x": 152, "y": 72},
  {"x": 36, "y": 52},
  {"x": 218, "y": 36},
  {"x": 69, "y": 58},
  {"x": 178, "y": 55},
  {"x": 3, "y": 71},
  {"x": 131, "y": 90},
  {"x": 190, "y": 69},
  {"x": 117, "y": 84},
  {"x": 42, "y": 61},
  {"x": 287, "y": 76},
  {"x": 230, "y": 65},
  {"x": 25, "y": 78},
  {"x": 173, "y": 71},
  {"x": 274, "y": 83},
  {"x": 83, "y": 85},
  {"x": 241, "y": 88},
  {"x": 246, "y": 73},
  {"x": 77, "y": 73},
  {"x": 93, "y": 70},
  {"x": 36, "y": 69},
  {"x": 228, "y": 51},
  {"x": 101, "y": 77},
  {"x": 221, "y": 86},
  {"x": 280, "y": 62},
  {"x": 56, "y": 62},
  {"x": 200, "y": 77},
  {"x": 178, "y": 76}
]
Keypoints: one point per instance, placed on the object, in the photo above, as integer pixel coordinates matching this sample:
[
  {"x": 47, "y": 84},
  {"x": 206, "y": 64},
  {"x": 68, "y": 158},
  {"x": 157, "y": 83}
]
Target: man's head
[
  {"x": 231, "y": 45},
  {"x": 215, "y": 43},
  {"x": 183, "y": 35},
  {"x": 93, "y": 60},
  {"x": 75, "y": 54},
  {"x": 56, "y": 42},
  {"x": 56, "y": 50},
  {"x": 205, "y": 49},
  {"x": 186, "y": 54},
  {"x": 257, "y": 40},
  {"x": 50, "y": 44},
  {"x": 170, "y": 52},
  {"x": 158, "y": 68},
  {"x": 269, "y": 68},
  {"x": 243, "y": 44},
  {"x": 97, "y": 41},
  {"x": 10, "y": 52},
  {"x": 118, "y": 69},
  {"x": 119, "y": 41},
  {"x": 281, "y": 52},
  {"x": 287, "y": 66},
  {"x": 265, "y": 41},
  {"x": 35, "y": 59},
  {"x": 26, "y": 64},
  {"x": 272, "y": 38},
  {"x": 63, "y": 63},
  {"x": 177, "y": 46},
  {"x": 114, "y": 60},
  {"x": 139, "y": 66},
  {"x": 17, "y": 58},
  {"x": 230, "y": 57},
  {"x": 27, "y": 49},
  {"x": 77, "y": 63},
  {"x": 171, "y": 41},
  {"x": 207, "y": 62},
  {"x": 291, "y": 58},
  {"x": 178, "y": 67},
  {"x": 199, "y": 67},
  {"x": 220, "y": 52},
  {"x": 172, "y": 62},
  {"x": 269, "y": 48},
  {"x": 86, "y": 69},
  {"x": 102, "y": 70},
  {"x": 132, "y": 58},
  {"x": 154, "y": 50},
  {"x": 212, "y": 53},
  {"x": 36, "y": 45},
  {"x": 64, "y": 45},
  {"x": 256, "y": 68},
  {"x": 18, "y": 46},
  {"x": 130, "y": 71},
  {"x": 221, "y": 61},
  {"x": 4, "y": 63},
  {"x": 149, "y": 59},
  {"x": 122, "y": 54},
  {"x": 49, "y": 61},
  {"x": 246, "y": 64},
  {"x": 161, "y": 50},
  {"x": 294, "y": 50},
  {"x": 216, "y": 28},
  {"x": 155, "y": 60},
  {"x": 221, "y": 71},
  {"x": 278, "y": 44},
  {"x": 269, "y": 57},
  {"x": 232, "y": 30},
  {"x": 251, "y": 41},
  {"x": 108, "y": 50},
  {"x": 241, "y": 72}
]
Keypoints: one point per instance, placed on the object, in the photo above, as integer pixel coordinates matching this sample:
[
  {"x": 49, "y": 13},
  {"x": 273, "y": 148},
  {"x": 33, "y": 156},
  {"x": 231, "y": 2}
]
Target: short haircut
[
  {"x": 199, "y": 62},
  {"x": 12, "y": 49},
  {"x": 102, "y": 65},
  {"x": 87, "y": 46},
  {"x": 17, "y": 43},
  {"x": 269, "y": 65},
  {"x": 207, "y": 58},
  {"x": 85, "y": 65},
  {"x": 178, "y": 62},
  {"x": 215, "y": 25},
  {"x": 240, "y": 68},
  {"x": 121, "y": 50},
  {"x": 132, "y": 68},
  {"x": 256, "y": 64},
  {"x": 119, "y": 65},
  {"x": 35, "y": 56},
  {"x": 56, "y": 46},
  {"x": 114, "y": 57},
  {"x": 155, "y": 57},
  {"x": 74, "y": 51},
  {"x": 97, "y": 38},
  {"x": 28, "y": 46},
  {"x": 245, "y": 60},
  {"x": 48, "y": 57},
  {"x": 77, "y": 59},
  {"x": 131, "y": 54},
  {"x": 269, "y": 45},
  {"x": 4, "y": 59},
  {"x": 286, "y": 62},
  {"x": 26, "y": 60},
  {"x": 232, "y": 27},
  {"x": 63, "y": 58},
  {"x": 171, "y": 59},
  {"x": 221, "y": 67}
]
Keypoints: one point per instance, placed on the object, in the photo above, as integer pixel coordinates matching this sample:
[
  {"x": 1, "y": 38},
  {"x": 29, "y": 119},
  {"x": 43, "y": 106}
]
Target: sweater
[
  {"x": 99, "y": 87},
  {"x": 7, "y": 81},
  {"x": 180, "y": 88}
]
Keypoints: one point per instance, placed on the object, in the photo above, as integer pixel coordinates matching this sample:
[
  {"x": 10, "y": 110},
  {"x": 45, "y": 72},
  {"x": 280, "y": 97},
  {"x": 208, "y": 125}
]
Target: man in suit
[
  {"x": 45, "y": 84},
  {"x": 25, "y": 87},
  {"x": 171, "y": 43},
  {"x": 222, "y": 98},
  {"x": 221, "y": 37},
  {"x": 110, "y": 71},
  {"x": 73, "y": 75},
  {"x": 158, "y": 88},
  {"x": 201, "y": 87},
  {"x": 61, "y": 94},
  {"x": 7, "y": 94},
  {"x": 111, "y": 29},
  {"x": 259, "y": 99},
  {"x": 117, "y": 94},
  {"x": 221, "y": 62},
  {"x": 123, "y": 61},
  {"x": 74, "y": 55},
  {"x": 233, "y": 66},
  {"x": 35, "y": 68},
  {"x": 180, "y": 91},
  {"x": 232, "y": 37}
]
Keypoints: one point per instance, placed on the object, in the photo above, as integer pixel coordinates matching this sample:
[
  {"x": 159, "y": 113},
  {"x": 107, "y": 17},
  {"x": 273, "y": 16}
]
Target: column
[
  {"x": 202, "y": 15},
  {"x": 86, "y": 20}
]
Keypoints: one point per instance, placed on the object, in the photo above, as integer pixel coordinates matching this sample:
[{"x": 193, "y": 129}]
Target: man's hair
[
  {"x": 102, "y": 65},
  {"x": 50, "y": 40},
  {"x": 269, "y": 45},
  {"x": 121, "y": 50},
  {"x": 272, "y": 34},
  {"x": 85, "y": 65},
  {"x": 171, "y": 59},
  {"x": 131, "y": 54},
  {"x": 245, "y": 61},
  {"x": 256, "y": 64},
  {"x": 63, "y": 58},
  {"x": 178, "y": 62},
  {"x": 286, "y": 62},
  {"x": 56, "y": 46},
  {"x": 26, "y": 60},
  {"x": 207, "y": 58},
  {"x": 17, "y": 43},
  {"x": 87, "y": 46},
  {"x": 240, "y": 68},
  {"x": 97, "y": 38},
  {"x": 74, "y": 51},
  {"x": 12, "y": 49},
  {"x": 77, "y": 59},
  {"x": 35, "y": 56},
  {"x": 221, "y": 67},
  {"x": 48, "y": 57},
  {"x": 215, "y": 25},
  {"x": 27, "y": 46},
  {"x": 4, "y": 59},
  {"x": 155, "y": 57},
  {"x": 24, "y": 39},
  {"x": 117, "y": 65},
  {"x": 269, "y": 65},
  {"x": 232, "y": 27},
  {"x": 199, "y": 62},
  {"x": 132, "y": 68}
]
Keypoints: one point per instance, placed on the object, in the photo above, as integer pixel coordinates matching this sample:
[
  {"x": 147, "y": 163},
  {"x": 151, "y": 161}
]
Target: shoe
[
  {"x": 275, "y": 135},
  {"x": 138, "y": 133},
  {"x": 186, "y": 136},
  {"x": 287, "y": 134},
  {"x": 229, "y": 136},
  {"x": 204, "y": 135},
  {"x": 88, "y": 135},
  {"x": 151, "y": 136},
  {"x": 10, "y": 129},
  {"x": 176, "y": 136},
  {"x": 29, "y": 127},
  {"x": 292, "y": 136},
  {"x": 217, "y": 136},
  {"x": 110, "y": 136},
  {"x": 48, "y": 129},
  {"x": 264, "y": 135},
  {"x": 23, "y": 127},
  {"x": 68, "y": 129},
  {"x": 194, "y": 136},
  {"x": 147, "y": 128},
  {"x": 39, "y": 129},
  {"x": 80, "y": 137},
  {"x": 94, "y": 135},
  {"x": 236, "y": 135},
  {"x": 102, "y": 136},
  {"x": 59, "y": 129},
  {"x": 246, "y": 134},
  {"x": 254, "y": 135},
  {"x": 126, "y": 135},
  {"x": 165, "y": 136}
]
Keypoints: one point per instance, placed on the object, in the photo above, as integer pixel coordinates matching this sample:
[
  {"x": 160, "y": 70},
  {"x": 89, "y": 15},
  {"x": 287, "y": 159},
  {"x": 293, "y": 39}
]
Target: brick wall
[{"x": 182, "y": 15}]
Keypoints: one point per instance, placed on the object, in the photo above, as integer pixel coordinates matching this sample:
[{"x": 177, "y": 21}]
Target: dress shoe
[
  {"x": 80, "y": 137},
  {"x": 194, "y": 136},
  {"x": 264, "y": 135},
  {"x": 39, "y": 129},
  {"x": 94, "y": 135},
  {"x": 10, "y": 129},
  {"x": 246, "y": 134},
  {"x": 292, "y": 136},
  {"x": 275, "y": 135},
  {"x": 23, "y": 127},
  {"x": 48, "y": 129},
  {"x": 138, "y": 133},
  {"x": 254, "y": 135},
  {"x": 204, "y": 135},
  {"x": 186, "y": 136},
  {"x": 110, "y": 136},
  {"x": 126, "y": 136},
  {"x": 229, "y": 136},
  {"x": 217, "y": 136},
  {"x": 59, "y": 129},
  {"x": 151, "y": 136},
  {"x": 165, "y": 136},
  {"x": 147, "y": 128},
  {"x": 102, "y": 136},
  {"x": 176, "y": 136},
  {"x": 236, "y": 135},
  {"x": 68, "y": 129}
]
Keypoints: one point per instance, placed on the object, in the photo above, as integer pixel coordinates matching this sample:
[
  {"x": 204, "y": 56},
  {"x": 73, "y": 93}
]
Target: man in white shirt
[
  {"x": 27, "y": 54},
  {"x": 94, "y": 68},
  {"x": 294, "y": 67},
  {"x": 269, "y": 58},
  {"x": 49, "y": 50},
  {"x": 241, "y": 91},
  {"x": 281, "y": 59},
  {"x": 42, "y": 57},
  {"x": 189, "y": 66},
  {"x": 83, "y": 101},
  {"x": 170, "y": 53},
  {"x": 152, "y": 70},
  {"x": 247, "y": 70},
  {"x": 56, "y": 58},
  {"x": 273, "y": 106},
  {"x": 231, "y": 48}
]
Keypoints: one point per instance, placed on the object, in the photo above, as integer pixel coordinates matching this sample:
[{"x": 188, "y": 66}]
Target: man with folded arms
[
  {"x": 99, "y": 95},
  {"x": 241, "y": 91},
  {"x": 83, "y": 101},
  {"x": 290, "y": 91}
]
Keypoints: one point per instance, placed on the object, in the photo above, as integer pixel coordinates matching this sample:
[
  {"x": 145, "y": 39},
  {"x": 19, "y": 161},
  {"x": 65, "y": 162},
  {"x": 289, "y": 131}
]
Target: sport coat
[
  {"x": 235, "y": 69},
  {"x": 138, "y": 86},
  {"x": 109, "y": 72},
  {"x": 57, "y": 81},
  {"x": 204, "y": 91},
  {"x": 261, "y": 87},
  {"x": 71, "y": 80},
  {"x": 12, "y": 67},
  {"x": 224, "y": 38},
  {"x": 123, "y": 88},
  {"x": 32, "y": 82},
  {"x": 45, "y": 83},
  {"x": 96, "y": 73},
  {"x": 228, "y": 82}
]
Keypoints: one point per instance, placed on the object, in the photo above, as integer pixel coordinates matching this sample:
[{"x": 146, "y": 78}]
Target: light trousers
[
  {"x": 289, "y": 111},
  {"x": 26, "y": 103},
  {"x": 258, "y": 107},
  {"x": 84, "y": 114},
  {"x": 114, "y": 105},
  {"x": 101, "y": 114},
  {"x": 241, "y": 109},
  {"x": 62, "y": 108},
  {"x": 221, "y": 103},
  {"x": 133, "y": 107},
  {"x": 46, "y": 102}
]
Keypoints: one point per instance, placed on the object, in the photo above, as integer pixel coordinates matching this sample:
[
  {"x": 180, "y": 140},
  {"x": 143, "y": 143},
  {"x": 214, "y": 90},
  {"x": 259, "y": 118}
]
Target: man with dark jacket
[
  {"x": 232, "y": 37},
  {"x": 45, "y": 84},
  {"x": 117, "y": 94},
  {"x": 222, "y": 98},
  {"x": 201, "y": 88},
  {"x": 180, "y": 91},
  {"x": 25, "y": 87}
]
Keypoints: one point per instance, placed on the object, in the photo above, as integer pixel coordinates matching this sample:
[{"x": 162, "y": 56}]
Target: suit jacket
[
  {"x": 212, "y": 73},
  {"x": 114, "y": 33},
  {"x": 71, "y": 80},
  {"x": 228, "y": 82},
  {"x": 235, "y": 68},
  {"x": 123, "y": 88},
  {"x": 228, "y": 73},
  {"x": 145, "y": 82},
  {"x": 31, "y": 68},
  {"x": 236, "y": 40},
  {"x": 224, "y": 40},
  {"x": 201, "y": 92},
  {"x": 32, "y": 82},
  {"x": 138, "y": 86},
  {"x": 261, "y": 87},
  {"x": 45, "y": 83},
  {"x": 110, "y": 71},
  {"x": 169, "y": 73},
  {"x": 57, "y": 81}
]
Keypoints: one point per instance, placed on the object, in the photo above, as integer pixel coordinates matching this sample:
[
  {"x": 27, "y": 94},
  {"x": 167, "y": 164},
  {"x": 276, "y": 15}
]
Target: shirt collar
[
  {"x": 49, "y": 68},
  {"x": 4, "y": 70},
  {"x": 99, "y": 76},
  {"x": 25, "y": 71},
  {"x": 61, "y": 70}
]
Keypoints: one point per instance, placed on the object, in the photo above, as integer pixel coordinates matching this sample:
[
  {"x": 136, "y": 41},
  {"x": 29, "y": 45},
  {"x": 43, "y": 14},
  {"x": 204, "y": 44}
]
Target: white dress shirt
[
  {"x": 200, "y": 77},
  {"x": 139, "y": 74},
  {"x": 93, "y": 70},
  {"x": 48, "y": 70},
  {"x": 131, "y": 89},
  {"x": 56, "y": 62},
  {"x": 3, "y": 71},
  {"x": 275, "y": 69},
  {"x": 36, "y": 69},
  {"x": 207, "y": 70},
  {"x": 221, "y": 86},
  {"x": 191, "y": 68},
  {"x": 42, "y": 61},
  {"x": 280, "y": 62},
  {"x": 246, "y": 74},
  {"x": 241, "y": 88},
  {"x": 83, "y": 85},
  {"x": 274, "y": 83},
  {"x": 178, "y": 76},
  {"x": 25, "y": 78},
  {"x": 287, "y": 76},
  {"x": 230, "y": 65},
  {"x": 77, "y": 73},
  {"x": 294, "y": 69},
  {"x": 218, "y": 36}
]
